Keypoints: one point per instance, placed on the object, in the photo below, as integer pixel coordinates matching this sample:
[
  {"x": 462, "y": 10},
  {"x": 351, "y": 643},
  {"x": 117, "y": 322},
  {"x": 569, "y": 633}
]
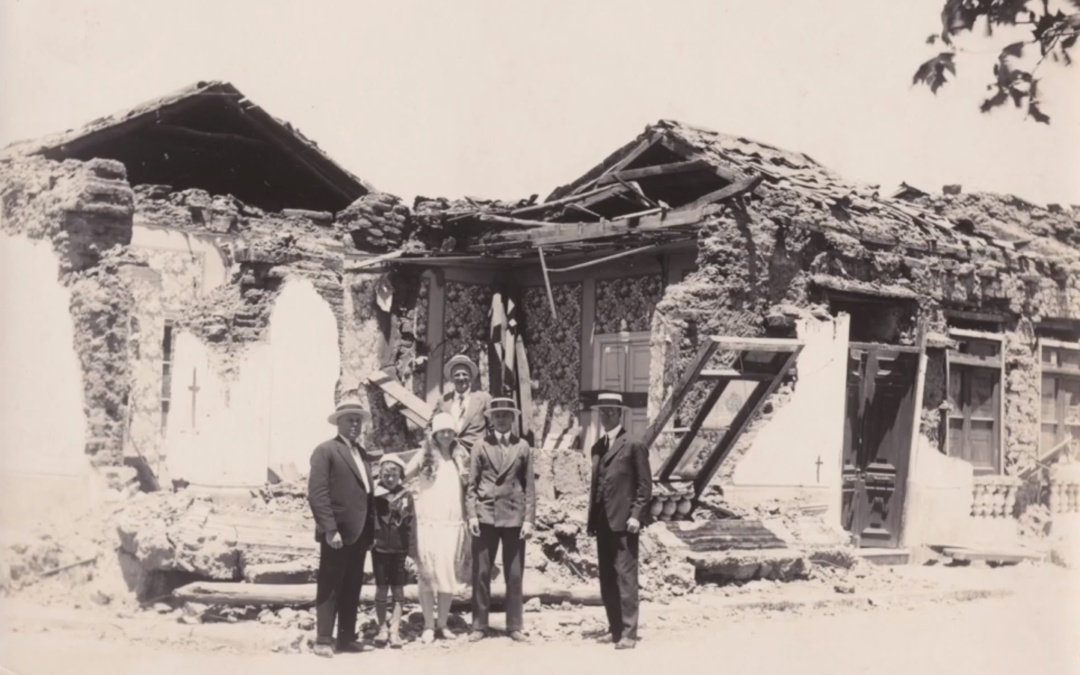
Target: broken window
[
  {"x": 713, "y": 402},
  {"x": 166, "y": 371},
  {"x": 1060, "y": 415},
  {"x": 975, "y": 403}
]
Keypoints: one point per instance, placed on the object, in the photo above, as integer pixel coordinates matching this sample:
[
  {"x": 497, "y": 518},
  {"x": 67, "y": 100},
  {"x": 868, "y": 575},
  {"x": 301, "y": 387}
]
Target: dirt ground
[
  {"x": 978, "y": 620},
  {"x": 1036, "y": 600}
]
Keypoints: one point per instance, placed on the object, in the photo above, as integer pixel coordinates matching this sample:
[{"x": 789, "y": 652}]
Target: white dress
[{"x": 440, "y": 525}]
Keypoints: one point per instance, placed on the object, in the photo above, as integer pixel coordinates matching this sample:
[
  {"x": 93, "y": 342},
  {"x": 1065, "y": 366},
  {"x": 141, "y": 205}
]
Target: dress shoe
[
  {"x": 517, "y": 636},
  {"x": 607, "y": 639},
  {"x": 626, "y": 643},
  {"x": 476, "y": 636},
  {"x": 324, "y": 650},
  {"x": 395, "y": 641},
  {"x": 444, "y": 634},
  {"x": 353, "y": 647},
  {"x": 427, "y": 637}
]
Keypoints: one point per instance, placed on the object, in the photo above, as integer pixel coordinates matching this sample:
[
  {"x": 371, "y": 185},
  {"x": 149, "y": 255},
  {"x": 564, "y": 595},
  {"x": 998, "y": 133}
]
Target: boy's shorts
[{"x": 389, "y": 568}]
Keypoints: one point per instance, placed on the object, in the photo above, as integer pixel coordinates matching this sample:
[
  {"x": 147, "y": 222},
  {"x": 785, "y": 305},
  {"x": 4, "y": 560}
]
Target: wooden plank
[
  {"x": 957, "y": 358},
  {"x": 736, "y": 189},
  {"x": 978, "y": 334},
  {"x": 681, "y": 147},
  {"x": 742, "y": 419},
  {"x": 731, "y": 344},
  {"x": 417, "y": 411},
  {"x": 913, "y": 443},
  {"x": 679, "y": 392},
  {"x": 656, "y": 170},
  {"x": 1058, "y": 370},
  {"x": 607, "y": 190},
  {"x": 883, "y": 349},
  {"x": 638, "y": 151},
  {"x": 728, "y": 374},
  {"x": 547, "y": 283},
  {"x": 563, "y": 233},
  {"x": 234, "y": 593},
  {"x": 677, "y": 454}
]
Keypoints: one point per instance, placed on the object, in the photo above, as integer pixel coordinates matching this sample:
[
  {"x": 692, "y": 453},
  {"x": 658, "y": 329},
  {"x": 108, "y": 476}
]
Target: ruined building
[{"x": 905, "y": 366}]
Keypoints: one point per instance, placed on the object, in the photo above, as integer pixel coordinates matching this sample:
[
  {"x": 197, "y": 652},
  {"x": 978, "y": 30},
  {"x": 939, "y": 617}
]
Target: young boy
[{"x": 393, "y": 533}]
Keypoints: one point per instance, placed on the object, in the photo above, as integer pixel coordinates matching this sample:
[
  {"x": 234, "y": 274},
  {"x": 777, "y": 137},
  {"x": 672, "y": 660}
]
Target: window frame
[
  {"x": 967, "y": 364},
  {"x": 1058, "y": 373}
]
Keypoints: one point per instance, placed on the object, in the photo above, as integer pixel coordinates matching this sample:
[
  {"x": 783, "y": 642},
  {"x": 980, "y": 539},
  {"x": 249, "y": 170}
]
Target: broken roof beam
[
  {"x": 607, "y": 191},
  {"x": 624, "y": 161},
  {"x": 657, "y": 170},
  {"x": 736, "y": 189},
  {"x": 565, "y": 233},
  {"x": 680, "y": 147}
]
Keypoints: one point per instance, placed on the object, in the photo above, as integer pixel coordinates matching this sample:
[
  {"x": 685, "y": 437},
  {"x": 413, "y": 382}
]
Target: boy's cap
[{"x": 392, "y": 459}]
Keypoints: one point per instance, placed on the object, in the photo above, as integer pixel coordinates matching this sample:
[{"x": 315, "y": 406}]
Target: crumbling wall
[
  {"x": 626, "y": 299},
  {"x": 85, "y": 210},
  {"x": 467, "y": 325},
  {"x": 1021, "y": 390},
  {"x": 376, "y": 222}
]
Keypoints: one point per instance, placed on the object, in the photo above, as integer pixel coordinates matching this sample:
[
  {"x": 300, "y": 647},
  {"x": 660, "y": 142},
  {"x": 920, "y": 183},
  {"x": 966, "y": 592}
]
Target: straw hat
[
  {"x": 460, "y": 360},
  {"x": 349, "y": 406},
  {"x": 501, "y": 405},
  {"x": 609, "y": 399}
]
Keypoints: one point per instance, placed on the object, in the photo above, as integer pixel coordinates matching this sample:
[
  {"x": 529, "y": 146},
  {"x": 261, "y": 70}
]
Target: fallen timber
[{"x": 303, "y": 595}]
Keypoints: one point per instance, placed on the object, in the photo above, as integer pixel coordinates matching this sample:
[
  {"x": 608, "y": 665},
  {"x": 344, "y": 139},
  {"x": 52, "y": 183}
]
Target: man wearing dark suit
[
  {"x": 340, "y": 490},
  {"x": 466, "y": 406},
  {"x": 500, "y": 506},
  {"x": 620, "y": 493}
]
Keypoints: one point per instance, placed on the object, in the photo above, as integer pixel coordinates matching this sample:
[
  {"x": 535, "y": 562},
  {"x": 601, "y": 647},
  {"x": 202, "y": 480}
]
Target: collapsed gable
[{"x": 210, "y": 136}]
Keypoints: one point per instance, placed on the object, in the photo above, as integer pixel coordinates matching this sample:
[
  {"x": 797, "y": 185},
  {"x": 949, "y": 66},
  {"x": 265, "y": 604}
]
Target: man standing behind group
[
  {"x": 464, "y": 405},
  {"x": 340, "y": 496},
  {"x": 621, "y": 489},
  {"x": 500, "y": 505}
]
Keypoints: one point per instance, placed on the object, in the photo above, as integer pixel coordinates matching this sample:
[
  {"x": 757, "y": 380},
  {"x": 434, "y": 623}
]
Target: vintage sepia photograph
[{"x": 539, "y": 337}]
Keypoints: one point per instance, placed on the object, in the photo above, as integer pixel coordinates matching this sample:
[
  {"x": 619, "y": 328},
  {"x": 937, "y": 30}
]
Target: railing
[
  {"x": 1065, "y": 488},
  {"x": 994, "y": 496}
]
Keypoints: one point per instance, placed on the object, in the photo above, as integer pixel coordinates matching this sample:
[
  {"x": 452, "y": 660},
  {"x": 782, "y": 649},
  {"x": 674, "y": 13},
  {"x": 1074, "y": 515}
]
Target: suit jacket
[
  {"x": 500, "y": 493},
  {"x": 623, "y": 480},
  {"x": 337, "y": 496},
  {"x": 474, "y": 424}
]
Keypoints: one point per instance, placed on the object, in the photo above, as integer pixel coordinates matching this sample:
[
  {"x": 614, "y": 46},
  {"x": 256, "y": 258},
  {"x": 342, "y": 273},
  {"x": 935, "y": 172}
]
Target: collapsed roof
[{"x": 210, "y": 136}]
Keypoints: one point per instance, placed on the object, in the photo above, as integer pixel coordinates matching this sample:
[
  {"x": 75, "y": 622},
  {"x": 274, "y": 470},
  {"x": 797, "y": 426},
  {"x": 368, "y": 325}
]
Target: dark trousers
[
  {"x": 617, "y": 558},
  {"x": 337, "y": 594},
  {"x": 484, "y": 549}
]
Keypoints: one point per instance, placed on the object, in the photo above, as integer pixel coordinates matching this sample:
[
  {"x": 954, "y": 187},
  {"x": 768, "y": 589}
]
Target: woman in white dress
[{"x": 441, "y": 467}]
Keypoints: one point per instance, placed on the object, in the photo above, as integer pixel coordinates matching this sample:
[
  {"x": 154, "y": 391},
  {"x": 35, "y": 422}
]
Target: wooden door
[
  {"x": 877, "y": 442},
  {"x": 621, "y": 363}
]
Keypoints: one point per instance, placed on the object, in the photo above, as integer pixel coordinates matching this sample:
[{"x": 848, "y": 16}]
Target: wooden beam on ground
[
  {"x": 238, "y": 594},
  {"x": 679, "y": 392},
  {"x": 566, "y": 233},
  {"x": 736, "y": 189},
  {"x": 657, "y": 170}
]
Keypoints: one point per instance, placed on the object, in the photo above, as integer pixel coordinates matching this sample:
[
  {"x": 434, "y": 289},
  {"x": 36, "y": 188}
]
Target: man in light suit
[
  {"x": 463, "y": 404},
  {"x": 620, "y": 493},
  {"x": 340, "y": 493},
  {"x": 500, "y": 506}
]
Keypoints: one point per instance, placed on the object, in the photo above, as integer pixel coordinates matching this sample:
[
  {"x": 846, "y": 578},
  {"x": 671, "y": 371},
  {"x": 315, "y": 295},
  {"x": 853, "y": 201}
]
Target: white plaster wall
[
  {"x": 44, "y": 470},
  {"x": 42, "y": 424},
  {"x": 809, "y": 427},
  {"x": 937, "y": 508},
  {"x": 304, "y": 364},
  {"x": 221, "y": 438}
]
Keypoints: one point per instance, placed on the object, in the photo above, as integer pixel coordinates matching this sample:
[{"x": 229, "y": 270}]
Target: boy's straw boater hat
[
  {"x": 501, "y": 405},
  {"x": 609, "y": 399},
  {"x": 349, "y": 406},
  {"x": 460, "y": 360}
]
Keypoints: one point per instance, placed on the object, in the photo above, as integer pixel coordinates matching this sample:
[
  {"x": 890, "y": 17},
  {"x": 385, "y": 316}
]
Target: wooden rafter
[
  {"x": 564, "y": 233},
  {"x": 736, "y": 189},
  {"x": 657, "y": 170},
  {"x": 641, "y": 148},
  {"x": 678, "y": 394},
  {"x": 606, "y": 191}
]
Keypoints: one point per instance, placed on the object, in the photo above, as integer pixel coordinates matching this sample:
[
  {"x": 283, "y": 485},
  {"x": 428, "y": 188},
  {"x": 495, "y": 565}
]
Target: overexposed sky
[{"x": 504, "y": 98}]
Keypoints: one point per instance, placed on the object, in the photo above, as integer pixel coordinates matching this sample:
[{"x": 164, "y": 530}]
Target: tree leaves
[
  {"x": 932, "y": 73},
  {"x": 1056, "y": 34}
]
